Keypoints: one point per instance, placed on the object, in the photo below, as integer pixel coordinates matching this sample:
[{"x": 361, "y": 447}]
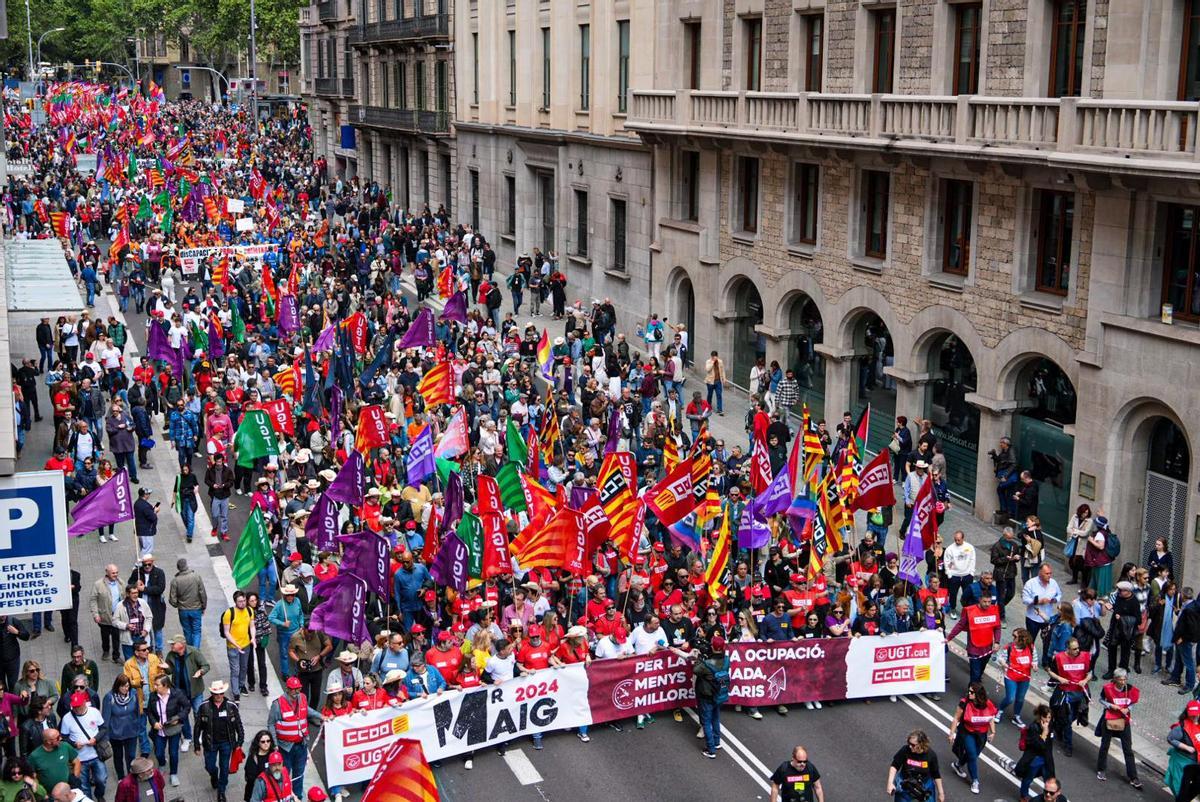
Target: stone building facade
[
  {"x": 981, "y": 214},
  {"x": 327, "y": 68}
]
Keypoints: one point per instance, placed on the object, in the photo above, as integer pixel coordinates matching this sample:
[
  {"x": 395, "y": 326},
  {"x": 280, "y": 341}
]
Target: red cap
[
  {"x": 295, "y": 557},
  {"x": 640, "y": 560},
  {"x": 459, "y": 627},
  {"x": 410, "y": 524},
  {"x": 659, "y": 547},
  {"x": 316, "y": 794},
  {"x": 430, "y": 595},
  {"x": 444, "y": 636},
  {"x": 275, "y": 759},
  {"x": 535, "y": 629},
  {"x": 79, "y": 698},
  {"x": 583, "y": 621},
  {"x": 798, "y": 578},
  {"x": 1193, "y": 708},
  {"x": 718, "y": 644},
  {"x": 609, "y": 604},
  {"x": 294, "y": 683},
  {"x": 621, "y": 635},
  {"x": 417, "y": 628}
]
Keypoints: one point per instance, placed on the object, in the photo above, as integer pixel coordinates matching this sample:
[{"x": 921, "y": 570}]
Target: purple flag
[
  {"x": 216, "y": 345},
  {"x": 579, "y": 497},
  {"x": 158, "y": 346},
  {"x": 775, "y": 499},
  {"x": 752, "y": 533},
  {"x": 336, "y": 400},
  {"x": 452, "y": 510},
  {"x": 321, "y": 528},
  {"x": 350, "y": 485},
  {"x": 419, "y": 462},
  {"x": 800, "y": 512},
  {"x": 110, "y": 503},
  {"x": 366, "y": 555},
  {"x": 325, "y": 338},
  {"x": 456, "y": 308},
  {"x": 420, "y": 331},
  {"x": 343, "y": 614},
  {"x": 450, "y": 565},
  {"x": 614, "y": 430},
  {"x": 289, "y": 316},
  {"x": 912, "y": 555}
]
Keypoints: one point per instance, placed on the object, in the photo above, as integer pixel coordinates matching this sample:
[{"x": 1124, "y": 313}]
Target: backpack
[
  {"x": 1112, "y": 545},
  {"x": 720, "y": 681}
]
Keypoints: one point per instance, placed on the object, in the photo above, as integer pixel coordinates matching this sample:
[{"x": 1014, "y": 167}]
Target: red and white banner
[
  {"x": 190, "y": 258},
  {"x": 761, "y": 673},
  {"x": 372, "y": 429}
]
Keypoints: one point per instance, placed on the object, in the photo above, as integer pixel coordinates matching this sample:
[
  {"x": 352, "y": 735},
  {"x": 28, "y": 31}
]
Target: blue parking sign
[{"x": 35, "y": 571}]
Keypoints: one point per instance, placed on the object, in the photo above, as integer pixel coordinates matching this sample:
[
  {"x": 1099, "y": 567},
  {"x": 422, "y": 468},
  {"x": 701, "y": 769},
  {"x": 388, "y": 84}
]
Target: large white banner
[
  {"x": 190, "y": 258},
  {"x": 35, "y": 567}
]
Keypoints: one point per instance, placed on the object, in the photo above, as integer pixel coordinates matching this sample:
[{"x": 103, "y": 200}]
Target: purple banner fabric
[
  {"x": 456, "y": 308},
  {"x": 158, "y": 346},
  {"x": 452, "y": 511},
  {"x": 289, "y": 316},
  {"x": 350, "y": 485},
  {"x": 420, "y": 333},
  {"x": 110, "y": 503},
  {"x": 366, "y": 556},
  {"x": 614, "y": 430},
  {"x": 216, "y": 345},
  {"x": 325, "y": 338},
  {"x": 336, "y": 401},
  {"x": 579, "y": 497},
  {"x": 321, "y": 528},
  {"x": 419, "y": 463},
  {"x": 450, "y": 565},
  {"x": 752, "y": 533},
  {"x": 775, "y": 499},
  {"x": 343, "y": 614}
]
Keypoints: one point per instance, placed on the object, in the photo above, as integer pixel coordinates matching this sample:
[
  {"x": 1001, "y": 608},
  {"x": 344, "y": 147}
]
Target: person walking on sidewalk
[
  {"x": 167, "y": 711},
  {"x": 288, "y": 722},
  {"x": 84, "y": 727},
  {"x": 287, "y": 616},
  {"x": 143, "y": 782},
  {"x": 121, "y": 439},
  {"x": 237, "y": 627},
  {"x": 1040, "y": 595},
  {"x": 190, "y": 598},
  {"x": 125, "y": 723},
  {"x": 145, "y": 519},
  {"x": 1005, "y": 555},
  {"x": 153, "y": 583},
  {"x": 219, "y": 731},
  {"x": 188, "y": 667},
  {"x": 1118, "y": 698},
  {"x": 1187, "y": 633},
  {"x": 219, "y": 480},
  {"x": 959, "y": 561},
  {"x": 714, "y": 381}
]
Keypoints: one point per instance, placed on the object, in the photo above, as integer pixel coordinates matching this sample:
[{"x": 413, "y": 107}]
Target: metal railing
[
  {"x": 399, "y": 30},
  {"x": 327, "y": 10},
  {"x": 412, "y": 120},
  {"x": 327, "y": 86}
]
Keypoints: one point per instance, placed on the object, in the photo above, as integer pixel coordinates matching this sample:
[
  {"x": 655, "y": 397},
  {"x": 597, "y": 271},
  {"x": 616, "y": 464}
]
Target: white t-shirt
[
  {"x": 643, "y": 641},
  {"x": 78, "y": 736},
  {"x": 111, "y": 358},
  {"x": 607, "y": 648},
  {"x": 501, "y": 668}
]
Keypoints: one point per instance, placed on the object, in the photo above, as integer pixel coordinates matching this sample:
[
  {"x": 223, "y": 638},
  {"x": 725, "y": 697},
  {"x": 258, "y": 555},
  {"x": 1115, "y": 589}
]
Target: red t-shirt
[
  {"x": 533, "y": 657},
  {"x": 976, "y": 719},
  {"x": 569, "y": 655},
  {"x": 447, "y": 662},
  {"x": 1020, "y": 663}
]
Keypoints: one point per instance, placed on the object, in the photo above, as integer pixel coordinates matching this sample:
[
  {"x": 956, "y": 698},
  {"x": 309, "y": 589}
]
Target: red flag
[
  {"x": 875, "y": 484},
  {"x": 403, "y": 776},
  {"x": 268, "y": 282},
  {"x": 671, "y": 498},
  {"x": 540, "y": 503},
  {"x": 430, "y": 549},
  {"x": 595, "y": 522},
  {"x": 487, "y": 496},
  {"x": 372, "y": 429},
  {"x": 210, "y": 210},
  {"x": 923, "y": 520},
  {"x": 575, "y": 543},
  {"x": 437, "y": 385},
  {"x": 760, "y": 466},
  {"x": 495, "y": 545},
  {"x": 58, "y": 221},
  {"x": 280, "y": 412},
  {"x": 616, "y": 481},
  {"x": 547, "y": 546},
  {"x": 357, "y": 324}
]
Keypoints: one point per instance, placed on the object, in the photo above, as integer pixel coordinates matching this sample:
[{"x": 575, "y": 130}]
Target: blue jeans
[
  {"x": 710, "y": 721},
  {"x": 1037, "y": 768},
  {"x": 718, "y": 391},
  {"x": 1014, "y": 694},
  {"x": 216, "y": 763},
  {"x": 143, "y": 735},
  {"x": 978, "y": 665},
  {"x": 195, "y": 703},
  {"x": 93, "y": 775},
  {"x": 220, "y": 516},
  {"x": 1004, "y": 494},
  {"x": 45, "y": 357},
  {"x": 295, "y": 760},
  {"x": 1185, "y": 664},
  {"x": 972, "y": 745},
  {"x": 188, "y": 513},
  {"x": 167, "y": 747},
  {"x": 125, "y": 460},
  {"x": 238, "y": 658},
  {"x": 192, "y": 622},
  {"x": 40, "y": 620},
  {"x": 268, "y": 581},
  {"x": 285, "y": 665},
  {"x": 90, "y": 286}
]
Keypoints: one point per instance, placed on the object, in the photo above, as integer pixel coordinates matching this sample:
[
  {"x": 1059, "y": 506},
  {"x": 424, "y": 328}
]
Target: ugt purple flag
[
  {"x": 289, "y": 316},
  {"x": 324, "y": 340},
  {"x": 343, "y": 614},
  {"x": 752, "y": 533},
  {"x": 419, "y": 462},
  {"x": 110, "y": 503},
  {"x": 614, "y": 431},
  {"x": 366, "y": 556},
  {"x": 456, "y": 308},
  {"x": 337, "y": 400},
  {"x": 420, "y": 332},
  {"x": 775, "y": 499},
  {"x": 350, "y": 485},
  {"x": 158, "y": 346},
  {"x": 321, "y": 528},
  {"x": 450, "y": 565},
  {"x": 452, "y": 510}
]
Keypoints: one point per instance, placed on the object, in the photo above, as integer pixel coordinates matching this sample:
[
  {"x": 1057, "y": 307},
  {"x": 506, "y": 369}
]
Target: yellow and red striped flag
[
  {"x": 403, "y": 776},
  {"x": 285, "y": 380},
  {"x": 437, "y": 385},
  {"x": 719, "y": 560},
  {"x": 58, "y": 221},
  {"x": 616, "y": 480}
]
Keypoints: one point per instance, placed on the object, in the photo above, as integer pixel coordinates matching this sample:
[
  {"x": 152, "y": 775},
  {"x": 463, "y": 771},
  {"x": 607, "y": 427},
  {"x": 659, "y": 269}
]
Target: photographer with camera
[{"x": 914, "y": 775}]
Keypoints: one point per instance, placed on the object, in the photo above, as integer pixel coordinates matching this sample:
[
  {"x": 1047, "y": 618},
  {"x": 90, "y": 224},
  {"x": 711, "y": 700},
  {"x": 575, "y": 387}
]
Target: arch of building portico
[{"x": 738, "y": 312}]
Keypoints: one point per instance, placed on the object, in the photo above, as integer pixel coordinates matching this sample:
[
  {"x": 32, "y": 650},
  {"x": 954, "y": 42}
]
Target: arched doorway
[
  {"x": 807, "y": 332},
  {"x": 685, "y": 313},
  {"x": 873, "y": 352},
  {"x": 1164, "y": 501},
  {"x": 748, "y": 344},
  {"x": 1046, "y": 406},
  {"x": 955, "y": 422}
]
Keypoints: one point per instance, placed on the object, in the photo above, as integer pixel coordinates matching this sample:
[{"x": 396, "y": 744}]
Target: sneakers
[
  {"x": 959, "y": 770},
  {"x": 185, "y": 745},
  {"x": 975, "y": 787},
  {"x": 817, "y": 705},
  {"x": 892, "y": 698},
  {"x": 808, "y": 706},
  {"x": 113, "y": 538},
  {"x": 1101, "y": 776},
  {"x": 954, "y": 614},
  {"x": 1017, "y": 720},
  {"x": 583, "y": 736},
  {"x": 677, "y": 715},
  {"x": 468, "y": 764},
  {"x": 709, "y": 755},
  {"x": 781, "y": 710},
  {"x": 998, "y": 717},
  {"x": 1135, "y": 784},
  {"x": 103, "y": 539},
  {"x": 754, "y": 714},
  {"x": 641, "y": 723},
  {"x": 700, "y": 733},
  {"x": 174, "y": 780}
]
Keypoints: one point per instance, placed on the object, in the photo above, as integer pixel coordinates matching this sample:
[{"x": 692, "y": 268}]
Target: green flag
[
  {"x": 518, "y": 449},
  {"x": 132, "y": 172},
  {"x": 144, "y": 211},
  {"x": 184, "y": 188},
  {"x": 168, "y": 221},
  {"x": 254, "y": 438},
  {"x": 511, "y": 493},
  {"x": 162, "y": 199},
  {"x": 444, "y": 468},
  {"x": 253, "y": 549},
  {"x": 239, "y": 325},
  {"x": 470, "y": 532}
]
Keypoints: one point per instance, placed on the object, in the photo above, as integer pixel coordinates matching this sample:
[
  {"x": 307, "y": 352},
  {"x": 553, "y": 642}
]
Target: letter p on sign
[{"x": 16, "y": 514}]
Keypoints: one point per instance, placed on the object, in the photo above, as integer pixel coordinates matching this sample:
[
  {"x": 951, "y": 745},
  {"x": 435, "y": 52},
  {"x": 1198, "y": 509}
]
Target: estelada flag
[
  {"x": 403, "y": 776},
  {"x": 875, "y": 487},
  {"x": 760, "y": 466},
  {"x": 671, "y": 498},
  {"x": 211, "y": 211},
  {"x": 372, "y": 429},
  {"x": 437, "y": 385}
]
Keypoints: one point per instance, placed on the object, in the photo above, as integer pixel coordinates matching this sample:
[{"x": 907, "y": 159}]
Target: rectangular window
[
  {"x": 419, "y": 91},
  {"x": 748, "y": 193},
  {"x": 475, "y": 200},
  {"x": 585, "y": 67},
  {"x": 546, "y": 187},
  {"x": 1189, "y": 60},
  {"x": 475, "y": 68},
  {"x": 689, "y": 184},
  {"x": 512, "y": 68},
  {"x": 402, "y": 81},
  {"x": 1181, "y": 262},
  {"x": 581, "y": 222},
  {"x": 956, "y": 226},
  {"x": 806, "y": 186},
  {"x": 545, "y": 68},
  {"x": 966, "y": 49},
  {"x": 814, "y": 46},
  {"x": 386, "y": 73},
  {"x": 1066, "y": 47},
  {"x": 443, "y": 90},
  {"x": 622, "y": 66},
  {"x": 423, "y": 166},
  {"x": 398, "y": 85},
  {"x": 510, "y": 205},
  {"x": 1055, "y": 223},
  {"x": 885, "y": 50},
  {"x": 876, "y": 191},
  {"x": 694, "y": 52},
  {"x": 619, "y": 235},
  {"x": 753, "y": 43},
  {"x": 404, "y": 179},
  {"x": 447, "y": 180}
]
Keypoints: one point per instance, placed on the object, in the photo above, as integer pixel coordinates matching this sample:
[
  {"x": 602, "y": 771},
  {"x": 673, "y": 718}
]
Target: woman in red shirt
[
  {"x": 552, "y": 631},
  {"x": 973, "y": 726},
  {"x": 372, "y": 696},
  {"x": 1019, "y": 657}
]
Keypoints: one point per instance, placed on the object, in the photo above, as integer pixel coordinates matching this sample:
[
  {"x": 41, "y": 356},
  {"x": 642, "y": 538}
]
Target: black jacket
[
  {"x": 177, "y": 708},
  {"x": 207, "y": 717},
  {"x": 155, "y": 581},
  {"x": 10, "y": 647},
  {"x": 1187, "y": 628},
  {"x": 145, "y": 519}
]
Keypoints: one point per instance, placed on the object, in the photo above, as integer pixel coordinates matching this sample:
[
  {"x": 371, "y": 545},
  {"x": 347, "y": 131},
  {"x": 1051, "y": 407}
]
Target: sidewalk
[{"x": 89, "y": 557}]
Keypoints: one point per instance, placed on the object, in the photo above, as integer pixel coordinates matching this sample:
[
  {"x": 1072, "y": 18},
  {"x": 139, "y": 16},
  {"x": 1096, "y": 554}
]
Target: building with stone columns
[
  {"x": 983, "y": 214},
  {"x": 327, "y": 72},
  {"x": 545, "y": 159}
]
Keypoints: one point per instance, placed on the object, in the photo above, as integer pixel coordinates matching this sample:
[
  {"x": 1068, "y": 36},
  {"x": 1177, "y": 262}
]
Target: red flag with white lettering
[
  {"x": 875, "y": 487},
  {"x": 671, "y": 498},
  {"x": 280, "y": 412}
]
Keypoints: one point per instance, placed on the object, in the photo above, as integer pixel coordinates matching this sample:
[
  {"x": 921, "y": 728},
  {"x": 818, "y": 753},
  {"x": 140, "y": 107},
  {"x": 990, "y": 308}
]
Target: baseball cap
[
  {"x": 444, "y": 636},
  {"x": 417, "y": 628},
  {"x": 1193, "y": 708},
  {"x": 430, "y": 595},
  {"x": 79, "y": 698},
  {"x": 620, "y": 636},
  {"x": 275, "y": 759},
  {"x": 295, "y": 557},
  {"x": 535, "y": 629},
  {"x": 718, "y": 644},
  {"x": 294, "y": 683}
]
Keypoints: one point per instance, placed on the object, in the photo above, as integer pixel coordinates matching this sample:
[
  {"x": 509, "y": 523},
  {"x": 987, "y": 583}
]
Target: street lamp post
[
  {"x": 120, "y": 67},
  {"x": 29, "y": 37},
  {"x": 253, "y": 66},
  {"x": 43, "y": 36}
]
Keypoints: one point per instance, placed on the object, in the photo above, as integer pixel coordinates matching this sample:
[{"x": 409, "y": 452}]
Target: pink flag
[{"x": 454, "y": 439}]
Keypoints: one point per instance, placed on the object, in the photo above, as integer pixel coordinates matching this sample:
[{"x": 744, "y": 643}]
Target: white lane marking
[
  {"x": 521, "y": 766},
  {"x": 756, "y": 772}
]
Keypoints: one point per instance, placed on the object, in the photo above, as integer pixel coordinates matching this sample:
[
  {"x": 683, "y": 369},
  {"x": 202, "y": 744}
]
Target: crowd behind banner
[{"x": 456, "y": 472}]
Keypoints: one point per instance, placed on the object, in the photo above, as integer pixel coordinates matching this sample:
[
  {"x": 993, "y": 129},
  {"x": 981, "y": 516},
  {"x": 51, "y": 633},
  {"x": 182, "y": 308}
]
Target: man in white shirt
[
  {"x": 1041, "y": 596},
  {"x": 83, "y": 727},
  {"x": 502, "y": 665},
  {"x": 615, "y": 645},
  {"x": 959, "y": 560},
  {"x": 648, "y": 638}
]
